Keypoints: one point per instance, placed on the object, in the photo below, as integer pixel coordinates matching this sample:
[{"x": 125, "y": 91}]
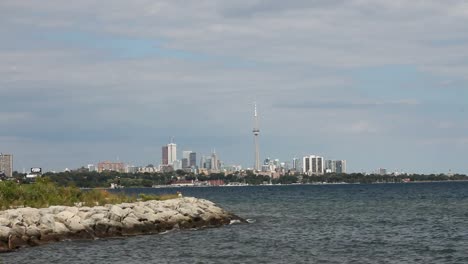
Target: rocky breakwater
[{"x": 31, "y": 227}]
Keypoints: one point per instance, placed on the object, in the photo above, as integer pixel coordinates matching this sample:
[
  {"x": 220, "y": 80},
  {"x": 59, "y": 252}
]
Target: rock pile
[{"x": 30, "y": 227}]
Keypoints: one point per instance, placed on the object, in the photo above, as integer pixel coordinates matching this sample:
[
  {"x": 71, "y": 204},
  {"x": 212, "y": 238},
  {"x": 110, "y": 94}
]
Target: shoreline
[{"x": 280, "y": 184}]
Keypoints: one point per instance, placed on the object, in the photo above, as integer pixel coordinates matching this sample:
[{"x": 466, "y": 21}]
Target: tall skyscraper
[
  {"x": 165, "y": 156},
  {"x": 256, "y": 132},
  {"x": 6, "y": 164},
  {"x": 214, "y": 161},
  {"x": 171, "y": 153},
  {"x": 312, "y": 164}
]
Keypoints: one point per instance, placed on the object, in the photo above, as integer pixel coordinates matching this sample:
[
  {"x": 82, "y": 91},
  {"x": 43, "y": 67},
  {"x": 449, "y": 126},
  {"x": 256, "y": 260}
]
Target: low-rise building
[{"x": 111, "y": 166}]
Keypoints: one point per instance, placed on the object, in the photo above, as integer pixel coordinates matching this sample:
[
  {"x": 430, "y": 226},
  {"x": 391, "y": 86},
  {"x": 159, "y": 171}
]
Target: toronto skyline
[{"x": 380, "y": 84}]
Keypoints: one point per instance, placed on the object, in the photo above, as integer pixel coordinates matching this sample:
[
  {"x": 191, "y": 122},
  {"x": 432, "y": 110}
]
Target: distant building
[
  {"x": 91, "y": 167},
  {"x": 312, "y": 164},
  {"x": 185, "y": 163},
  {"x": 165, "y": 156},
  {"x": 189, "y": 159},
  {"x": 111, "y": 166},
  {"x": 330, "y": 166},
  {"x": 214, "y": 162},
  {"x": 171, "y": 152},
  {"x": 335, "y": 166},
  {"x": 149, "y": 169},
  {"x": 193, "y": 160},
  {"x": 131, "y": 169},
  {"x": 340, "y": 166},
  {"x": 177, "y": 165},
  {"x": 382, "y": 171},
  {"x": 295, "y": 164},
  {"x": 6, "y": 164}
]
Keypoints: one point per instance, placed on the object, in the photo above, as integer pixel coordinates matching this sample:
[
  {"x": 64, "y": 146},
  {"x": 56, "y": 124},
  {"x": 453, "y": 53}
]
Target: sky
[{"x": 379, "y": 83}]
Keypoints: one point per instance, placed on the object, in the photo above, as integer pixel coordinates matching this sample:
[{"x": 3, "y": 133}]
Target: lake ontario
[{"x": 346, "y": 223}]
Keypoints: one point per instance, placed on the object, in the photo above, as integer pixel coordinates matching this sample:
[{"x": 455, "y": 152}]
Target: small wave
[
  {"x": 250, "y": 221},
  {"x": 236, "y": 221},
  {"x": 165, "y": 232}
]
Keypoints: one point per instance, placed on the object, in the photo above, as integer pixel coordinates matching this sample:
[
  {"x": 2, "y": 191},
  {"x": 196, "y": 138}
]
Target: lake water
[{"x": 378, "y": 223}]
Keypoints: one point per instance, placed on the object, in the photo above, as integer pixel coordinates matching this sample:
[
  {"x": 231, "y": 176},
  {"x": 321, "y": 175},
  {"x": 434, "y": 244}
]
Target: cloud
[
  {"x": 136, "y": 73},
  {"x": 347, "y": 105}
]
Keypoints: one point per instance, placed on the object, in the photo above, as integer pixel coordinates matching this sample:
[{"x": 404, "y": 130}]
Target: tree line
[{"x": 85, "y": 179}]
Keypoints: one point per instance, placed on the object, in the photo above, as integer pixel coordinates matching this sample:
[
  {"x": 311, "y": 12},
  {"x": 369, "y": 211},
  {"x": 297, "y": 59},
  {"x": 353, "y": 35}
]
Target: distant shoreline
[{"x": 264, "y": 185}]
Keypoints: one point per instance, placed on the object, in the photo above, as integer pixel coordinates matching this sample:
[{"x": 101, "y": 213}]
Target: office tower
[
  {"x": 193, "y": 160},
  {"x": 214, "y": 161},
  {"x": 165, "y": 156},
  {"x": 202, "y": 162},
  {"x": 171, "y": 153},
  {"x": 312, "y": 164},
  {"x": 185, "y": 163},
  {"x": 6, "y": 164},
  {"x": 256, "y": 132},
  {"x": 186, "y": 159}
]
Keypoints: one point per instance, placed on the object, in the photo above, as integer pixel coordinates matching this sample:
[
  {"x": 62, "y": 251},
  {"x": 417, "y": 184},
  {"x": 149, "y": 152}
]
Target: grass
[{"x": 45, "y": 193}]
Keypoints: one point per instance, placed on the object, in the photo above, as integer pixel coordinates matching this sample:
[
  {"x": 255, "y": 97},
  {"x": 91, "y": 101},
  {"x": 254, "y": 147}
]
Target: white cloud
[{"x": 213, "y": 58}]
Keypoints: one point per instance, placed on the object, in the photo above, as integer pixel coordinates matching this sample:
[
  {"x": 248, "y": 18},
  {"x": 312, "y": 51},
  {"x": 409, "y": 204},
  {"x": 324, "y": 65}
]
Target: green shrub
[{"x": 45, "y": 193}]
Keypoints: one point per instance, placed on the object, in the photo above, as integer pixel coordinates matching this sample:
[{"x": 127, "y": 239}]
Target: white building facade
[{"x": 312, "y": 165}]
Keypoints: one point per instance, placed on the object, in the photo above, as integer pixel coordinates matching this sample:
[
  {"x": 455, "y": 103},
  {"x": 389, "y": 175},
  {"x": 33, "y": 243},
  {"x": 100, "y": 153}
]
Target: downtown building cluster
[{"x": 169, "y": 162}]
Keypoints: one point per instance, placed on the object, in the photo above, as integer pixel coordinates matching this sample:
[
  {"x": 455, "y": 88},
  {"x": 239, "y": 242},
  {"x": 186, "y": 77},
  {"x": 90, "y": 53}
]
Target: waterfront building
[
  {"x": 340, "y": 166},
  {"x": 6, "y": 164},
  {"x": 111, "y": 166},
  {"x": 312, "y": 164},
  {"x": 330, "y": 166},
  {"x": 335, "y": 166}
]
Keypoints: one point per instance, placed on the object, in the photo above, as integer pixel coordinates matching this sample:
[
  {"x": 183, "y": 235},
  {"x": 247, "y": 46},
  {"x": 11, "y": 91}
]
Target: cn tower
[{"x": 256, "y": 132}]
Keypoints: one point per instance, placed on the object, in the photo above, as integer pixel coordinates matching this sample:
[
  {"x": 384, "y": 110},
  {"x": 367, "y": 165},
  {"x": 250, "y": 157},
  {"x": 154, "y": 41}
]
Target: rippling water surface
[{"x": 379, "y": 223}]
